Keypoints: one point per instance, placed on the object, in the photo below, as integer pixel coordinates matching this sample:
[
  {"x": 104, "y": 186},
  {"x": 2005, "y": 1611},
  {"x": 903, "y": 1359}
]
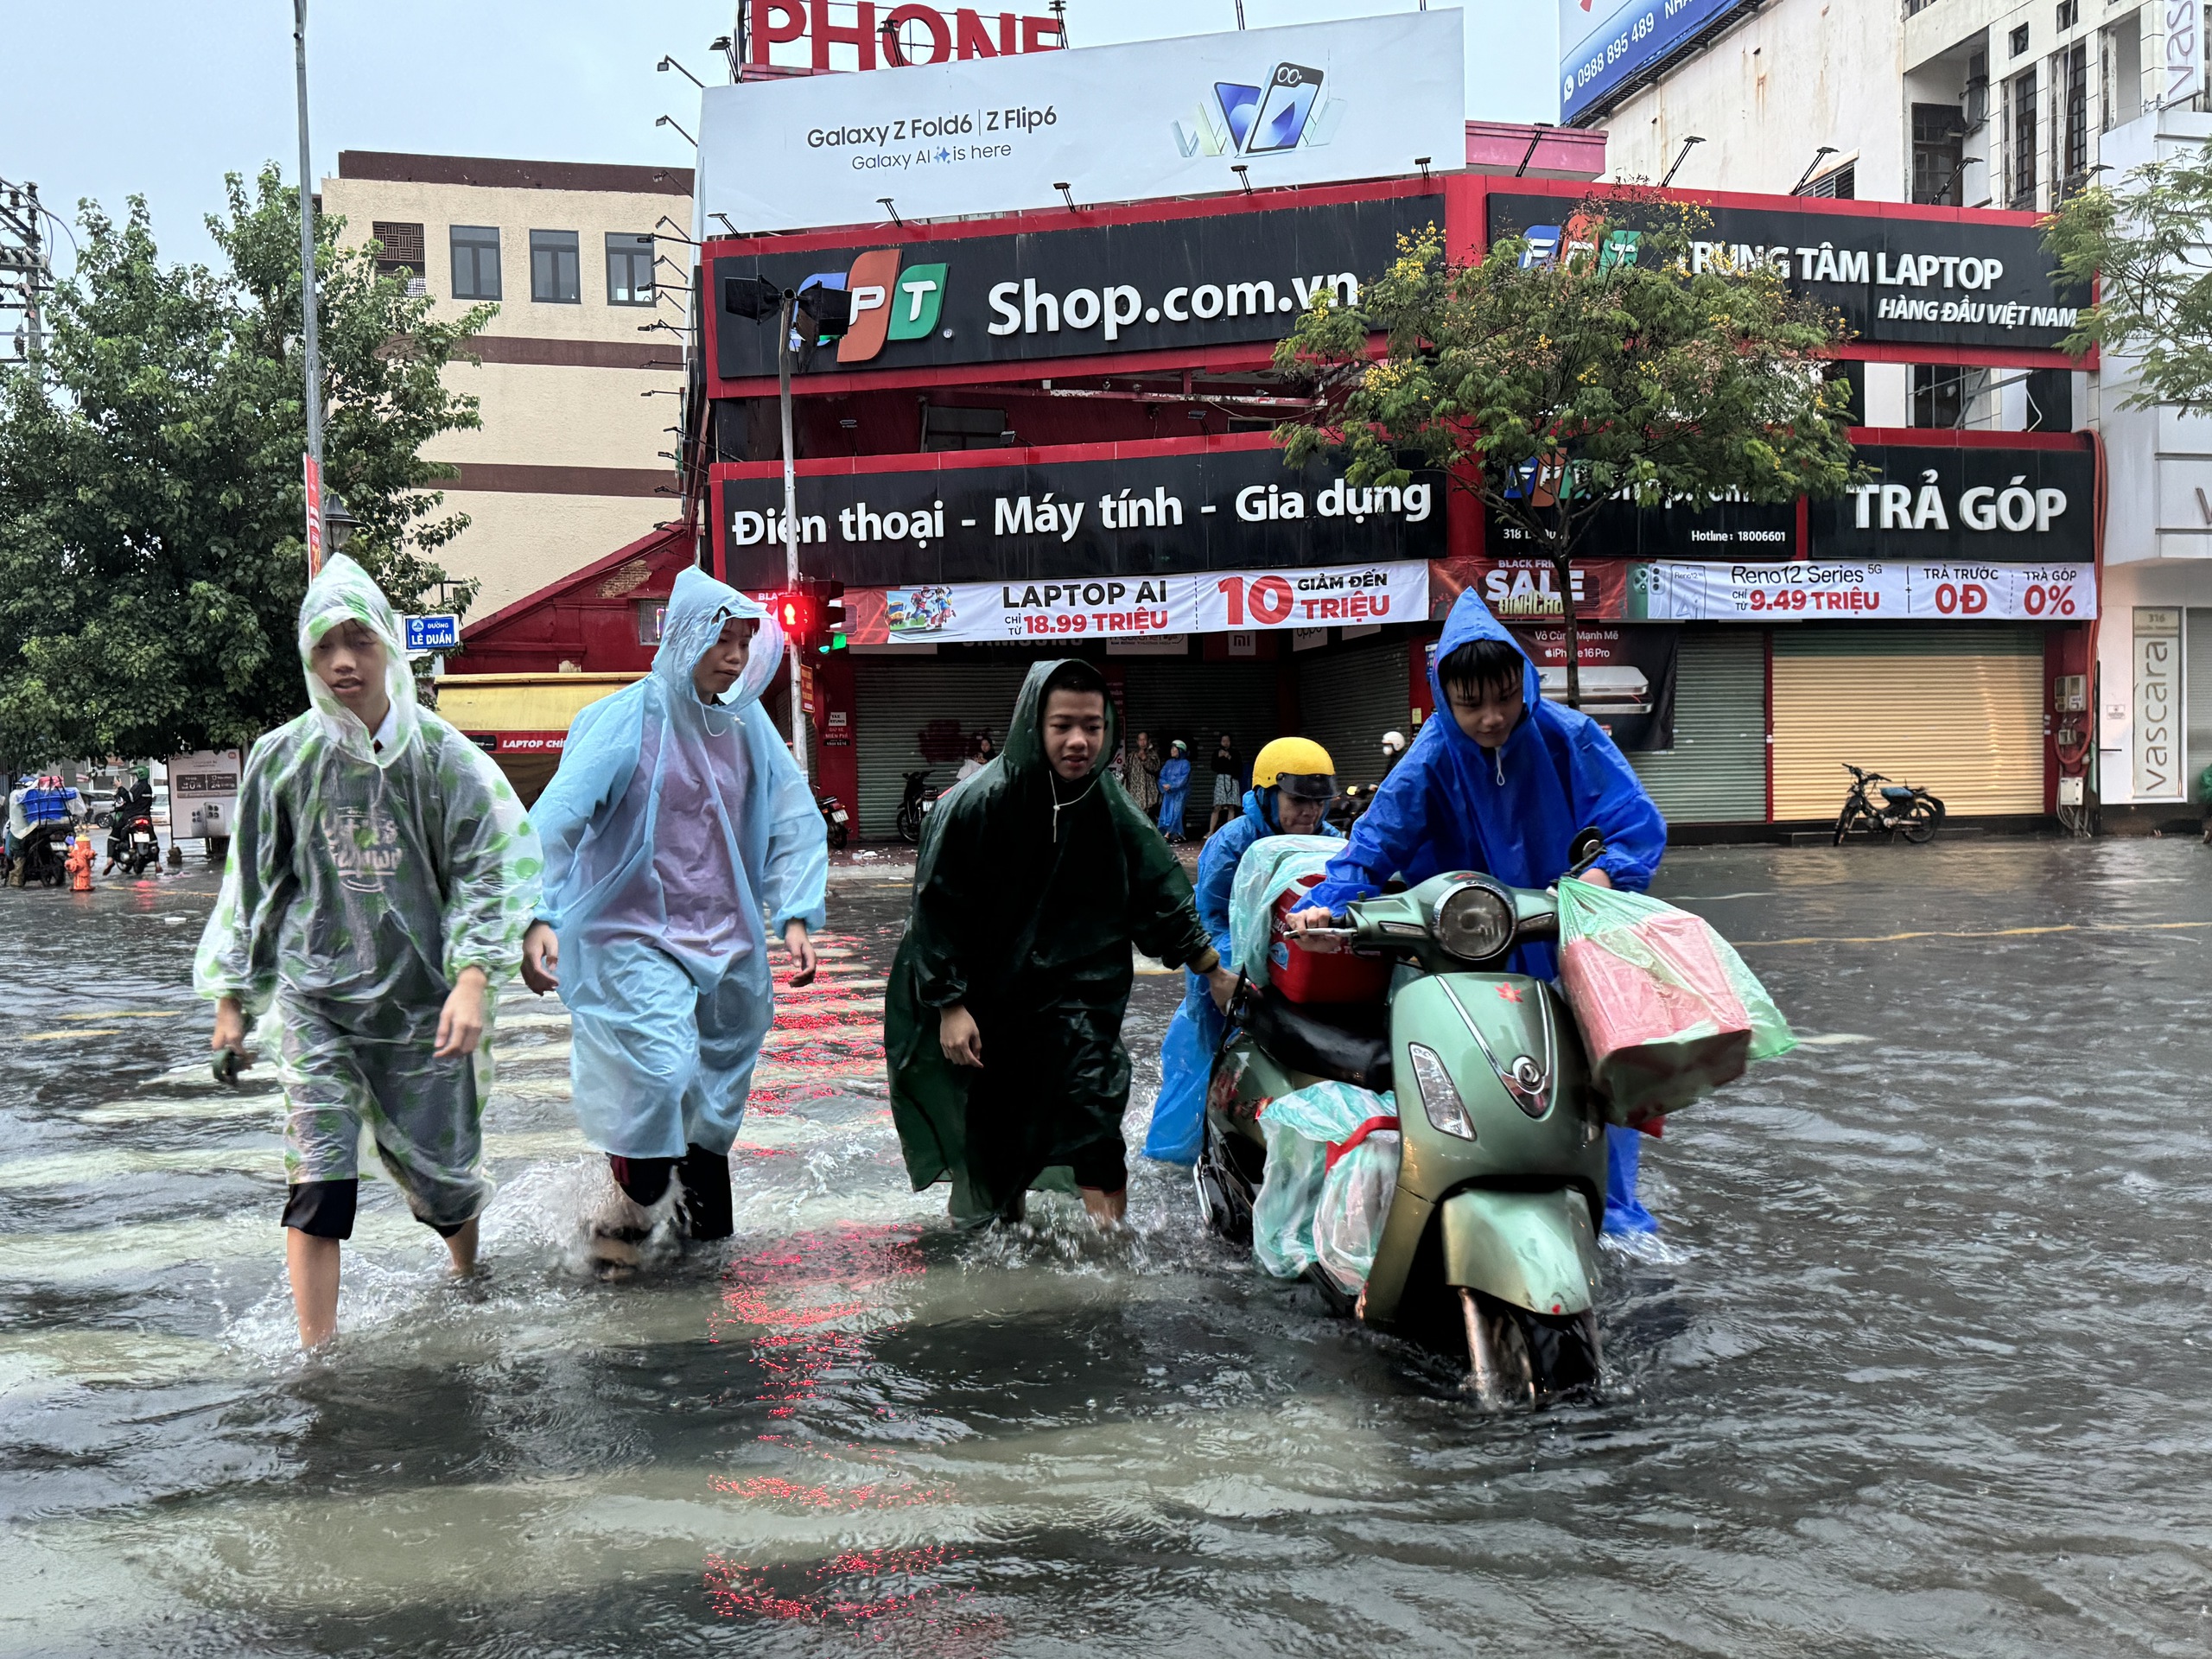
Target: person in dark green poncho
[{"x": 1003, "y": 1022}]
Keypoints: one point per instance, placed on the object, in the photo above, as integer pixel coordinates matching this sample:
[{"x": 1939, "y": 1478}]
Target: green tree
[
  {"x": 1610, "y": 370},
  {"x": 2148, "y": 246},
  {"x": 152, "y": 557}
]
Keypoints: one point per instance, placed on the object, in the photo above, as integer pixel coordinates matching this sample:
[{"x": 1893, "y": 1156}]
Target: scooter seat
[{"x": 1348, "y": 1042}]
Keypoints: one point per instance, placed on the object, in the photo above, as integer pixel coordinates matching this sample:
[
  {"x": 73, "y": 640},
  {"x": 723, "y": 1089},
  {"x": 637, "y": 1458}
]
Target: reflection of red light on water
[
  {"x": 807, "y": 1307},
  {"x": 850, "y": 1588}
]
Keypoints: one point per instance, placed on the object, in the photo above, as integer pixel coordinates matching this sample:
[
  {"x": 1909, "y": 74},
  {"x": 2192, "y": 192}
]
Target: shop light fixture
[{"x": 1681, "y": 156}]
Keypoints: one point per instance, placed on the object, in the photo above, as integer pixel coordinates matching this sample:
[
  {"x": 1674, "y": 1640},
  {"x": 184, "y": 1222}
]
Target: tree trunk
[{"x": 1563, "y": 573}]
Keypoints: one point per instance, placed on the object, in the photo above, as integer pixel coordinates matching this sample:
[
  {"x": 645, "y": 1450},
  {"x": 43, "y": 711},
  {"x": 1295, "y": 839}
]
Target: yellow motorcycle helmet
[{"x": 1297, "y": 765}]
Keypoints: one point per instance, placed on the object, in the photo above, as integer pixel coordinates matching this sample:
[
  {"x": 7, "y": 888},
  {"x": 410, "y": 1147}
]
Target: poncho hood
[
  {"x": 1471, "y": 619},
  {"x": 1023, "y": 752},
  {"x": 697, "y": 607},
  {"x": 345, "y": 592}
]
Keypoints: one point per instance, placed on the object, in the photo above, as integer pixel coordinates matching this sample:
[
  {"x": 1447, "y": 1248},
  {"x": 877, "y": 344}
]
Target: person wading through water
[{"x": 1003, "y": 1017}]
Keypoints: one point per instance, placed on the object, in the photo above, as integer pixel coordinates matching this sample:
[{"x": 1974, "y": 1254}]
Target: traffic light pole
[{"x": 790, "y": 523}]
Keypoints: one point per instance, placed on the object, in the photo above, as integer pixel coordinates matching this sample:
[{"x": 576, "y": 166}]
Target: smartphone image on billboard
[
  {"x": 1281, "y": 121},
  {"x": 1237, "y": 105}
]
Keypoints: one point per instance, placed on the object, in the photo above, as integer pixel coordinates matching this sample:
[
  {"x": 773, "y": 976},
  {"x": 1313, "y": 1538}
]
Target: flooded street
[{"x": 1921, "y": 1368}]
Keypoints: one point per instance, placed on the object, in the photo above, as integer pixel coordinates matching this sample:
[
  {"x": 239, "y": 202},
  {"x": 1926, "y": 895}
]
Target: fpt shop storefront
[{"x": 1220, "y": 592}]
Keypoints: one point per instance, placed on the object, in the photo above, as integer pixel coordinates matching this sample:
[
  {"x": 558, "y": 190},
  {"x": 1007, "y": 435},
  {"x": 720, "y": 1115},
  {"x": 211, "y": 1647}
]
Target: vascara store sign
[{"x": 1900, "y": 280}]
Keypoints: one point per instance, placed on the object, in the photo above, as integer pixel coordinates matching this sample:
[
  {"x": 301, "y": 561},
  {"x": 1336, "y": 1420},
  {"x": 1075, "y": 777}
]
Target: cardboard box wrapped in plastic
[{"x": 1669, "y": 1011}]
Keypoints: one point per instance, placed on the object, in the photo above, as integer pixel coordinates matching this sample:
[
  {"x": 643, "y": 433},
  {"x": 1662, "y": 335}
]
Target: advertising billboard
[
  {"x": 1970, "y": 279},
  {"x": 1156, "y": 507},
  {"x": 1603, "y": 43},
  {"x": 1183, "y": 284},
  {"x": 1311, "y": 104}
]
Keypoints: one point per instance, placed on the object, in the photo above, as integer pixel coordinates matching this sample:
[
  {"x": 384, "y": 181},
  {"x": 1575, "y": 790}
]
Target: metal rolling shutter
[
  {"x": 1348, "y": 699},
  {"x": 1198, "y": 701},
  {"x": 895, "y": 700},
  {"x": 2196, "y": 665},
  {"x": 1957, "y": 709},
  {"x": 1716, "y": 773}
]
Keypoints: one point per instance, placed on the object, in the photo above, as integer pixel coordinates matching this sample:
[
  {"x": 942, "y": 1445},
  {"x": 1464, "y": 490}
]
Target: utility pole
[
  {"x": 785, "y": 318},
  {"x": 25, "y": 273},
  {"x": 308, "y": 301}
]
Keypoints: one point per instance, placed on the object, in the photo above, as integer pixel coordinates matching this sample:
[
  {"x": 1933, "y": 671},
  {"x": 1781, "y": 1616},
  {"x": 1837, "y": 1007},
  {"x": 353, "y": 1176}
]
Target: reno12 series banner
[{"x": 1603, "y": 44}]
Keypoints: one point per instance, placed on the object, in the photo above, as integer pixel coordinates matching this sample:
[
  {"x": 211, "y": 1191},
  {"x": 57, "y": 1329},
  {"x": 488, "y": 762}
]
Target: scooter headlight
[
  {"x": 1439, "y": 1095},
  {"x": 1475, "y": 922}
]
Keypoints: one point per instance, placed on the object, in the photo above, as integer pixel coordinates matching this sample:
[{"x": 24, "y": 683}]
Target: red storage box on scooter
[{"x": 1304, "y": 975}]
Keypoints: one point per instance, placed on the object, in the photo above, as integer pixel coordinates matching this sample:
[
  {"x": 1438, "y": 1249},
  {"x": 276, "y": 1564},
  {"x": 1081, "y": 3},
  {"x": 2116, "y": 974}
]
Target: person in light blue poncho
[
  {"x": 677, "y": 830},
  {"x": 1293, "y": 780},
  {"x": 1501, "y": 781}
]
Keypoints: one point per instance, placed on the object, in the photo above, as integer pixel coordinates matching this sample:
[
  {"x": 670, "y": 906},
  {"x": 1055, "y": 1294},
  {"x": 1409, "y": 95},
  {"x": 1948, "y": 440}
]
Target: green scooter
[{"x": 1490, "y": 1249}]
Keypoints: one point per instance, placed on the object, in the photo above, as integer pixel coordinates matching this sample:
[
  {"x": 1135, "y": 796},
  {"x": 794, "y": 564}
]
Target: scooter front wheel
[{"x": 1516, "y": 1356}]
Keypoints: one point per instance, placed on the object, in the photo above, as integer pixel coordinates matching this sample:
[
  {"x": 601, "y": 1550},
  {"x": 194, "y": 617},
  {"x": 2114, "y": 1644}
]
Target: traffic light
[
  {"x": 797, "y": 615},
  {"x": 812, "y": 613},
  {"x": 830, "y": 613}
]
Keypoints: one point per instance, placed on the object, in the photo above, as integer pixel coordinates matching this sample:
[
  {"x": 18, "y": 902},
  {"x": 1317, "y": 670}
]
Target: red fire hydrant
[{"x": 80, "y": 865}]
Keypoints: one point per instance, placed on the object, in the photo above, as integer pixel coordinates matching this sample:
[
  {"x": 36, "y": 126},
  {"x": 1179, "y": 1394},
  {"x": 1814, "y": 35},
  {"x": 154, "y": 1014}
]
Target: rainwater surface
[{"x": 1920, "y": 1366}]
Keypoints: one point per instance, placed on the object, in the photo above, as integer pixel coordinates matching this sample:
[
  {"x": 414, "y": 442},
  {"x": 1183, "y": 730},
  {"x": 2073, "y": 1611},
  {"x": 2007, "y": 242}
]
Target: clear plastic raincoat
[
  {"x": 1178, "y": 1128},
  {"x": 1451, "y": 804},
  {"x": 362, "y": 881},
  {"x": 673, "y": 830}
]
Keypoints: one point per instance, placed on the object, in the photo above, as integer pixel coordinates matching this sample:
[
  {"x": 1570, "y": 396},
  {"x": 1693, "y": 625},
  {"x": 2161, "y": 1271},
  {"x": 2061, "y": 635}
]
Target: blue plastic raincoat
[
  {"x": 673, "y": 830},
  {"x": 1186, "y": 1054},
  {"x": 1174, "y": 783},
  {"x": 1451, "y": 804}
]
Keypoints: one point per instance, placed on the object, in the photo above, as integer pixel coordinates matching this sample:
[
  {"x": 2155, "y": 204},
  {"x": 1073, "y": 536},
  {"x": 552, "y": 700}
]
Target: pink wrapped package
[{"x": 1659, "y": 1011}]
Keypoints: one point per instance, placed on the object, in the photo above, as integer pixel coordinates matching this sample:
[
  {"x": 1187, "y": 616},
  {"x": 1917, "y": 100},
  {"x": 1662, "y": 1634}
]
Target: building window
[
  {"x": 1977, "y": 91},
  {"x": 947, "y": 428},
  {"x": 555, "y": 276},
  {"x": 1944, "y": 394},
  {"x": 652, "y": 617},
  {"x": 1938, "y": 148},
  {"x": 2024, "y": 142},
  {"x": 2069, "y": 13},
  {"x": 475, "y": 262},
  {"x": 2018, "y": 40},
  {"x": 2074, "y": 173},
  {"x": 629, "y": 269},
  {"x": 399, "y": 248}
]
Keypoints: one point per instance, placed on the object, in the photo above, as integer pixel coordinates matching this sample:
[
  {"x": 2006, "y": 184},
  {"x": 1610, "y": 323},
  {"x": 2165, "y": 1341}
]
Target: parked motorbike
[
  {"x": 913, "y": 804},
  {"x": 1888, "y": 809},
  {"x": 1351, "y": 802},
  {"x": 1488, "y": 1252},
  {"x": 837, "y": 821},
  {"x": 45, "y": 852},
  {"x": 132, "y": 846}
]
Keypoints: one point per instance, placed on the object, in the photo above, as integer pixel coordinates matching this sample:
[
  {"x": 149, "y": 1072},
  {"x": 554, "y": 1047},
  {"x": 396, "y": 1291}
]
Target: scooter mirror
[{"x": 1586, "y": 849}]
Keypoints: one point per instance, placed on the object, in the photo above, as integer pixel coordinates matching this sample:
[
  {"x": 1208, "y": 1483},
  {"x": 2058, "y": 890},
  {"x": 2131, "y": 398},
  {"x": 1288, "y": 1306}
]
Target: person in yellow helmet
[{"x": 1293, "y": 780}]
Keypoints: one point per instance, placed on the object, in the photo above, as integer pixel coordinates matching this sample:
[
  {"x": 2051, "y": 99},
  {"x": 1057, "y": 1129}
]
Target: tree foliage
[
  {"x": 1609, "y": 369},
  {"x": 2146, "y": 242},
  {"x": 152, "y": 555}
]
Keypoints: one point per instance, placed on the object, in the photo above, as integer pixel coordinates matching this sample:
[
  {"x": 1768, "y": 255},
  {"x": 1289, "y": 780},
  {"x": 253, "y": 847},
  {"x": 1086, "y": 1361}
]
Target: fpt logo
[
  {"x": 888, "y": 303},
  {"x": 1572, "y": 246}
]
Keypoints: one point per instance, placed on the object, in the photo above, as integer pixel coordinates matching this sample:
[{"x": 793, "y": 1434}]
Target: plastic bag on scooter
[
  {"x": 1270, "y": 868},
  {"x": 1668, "y": 1010},
  {"x": 1355, "y": 1202},
  {"x": 1300, "y": 1126}
]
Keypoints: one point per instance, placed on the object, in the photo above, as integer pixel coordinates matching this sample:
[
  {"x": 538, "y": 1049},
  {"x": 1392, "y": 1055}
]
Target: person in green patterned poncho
[{"x": 381, "y": 874}]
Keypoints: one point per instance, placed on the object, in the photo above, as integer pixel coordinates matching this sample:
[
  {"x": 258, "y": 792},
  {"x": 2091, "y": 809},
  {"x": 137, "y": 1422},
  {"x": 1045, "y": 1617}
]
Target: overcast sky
[{"x": 161, "y": 98}]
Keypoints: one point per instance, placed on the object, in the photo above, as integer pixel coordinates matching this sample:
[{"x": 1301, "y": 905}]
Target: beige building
[{"x": 577, "y": 383}]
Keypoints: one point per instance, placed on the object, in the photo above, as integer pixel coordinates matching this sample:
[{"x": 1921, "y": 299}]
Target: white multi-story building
[
  {"x": 579, "y": 375},
  {"x": 1984, "y": 104}
]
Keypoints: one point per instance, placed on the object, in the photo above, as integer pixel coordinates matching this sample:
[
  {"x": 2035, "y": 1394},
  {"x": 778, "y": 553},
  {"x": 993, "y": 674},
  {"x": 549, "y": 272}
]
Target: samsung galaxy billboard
[
  {"x": 1603, "y": 43},
  {"x": 946, "y": 135}
]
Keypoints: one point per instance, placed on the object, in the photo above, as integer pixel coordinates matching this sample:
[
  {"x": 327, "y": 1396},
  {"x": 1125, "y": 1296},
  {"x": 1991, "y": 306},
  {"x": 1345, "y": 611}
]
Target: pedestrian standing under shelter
[
  {"x": 1228, "y": 783},
  {"x": 1174, "y": 783}
]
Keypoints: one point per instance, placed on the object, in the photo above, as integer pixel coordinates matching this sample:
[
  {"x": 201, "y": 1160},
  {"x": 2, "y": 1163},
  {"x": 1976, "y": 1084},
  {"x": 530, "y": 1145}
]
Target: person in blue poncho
[
  {"x": 1175, "y": 780},
  {"x": 678, "y": 833},
  {"x": 1501, "y": 781},
  {"x": 1293, "y": 780}
]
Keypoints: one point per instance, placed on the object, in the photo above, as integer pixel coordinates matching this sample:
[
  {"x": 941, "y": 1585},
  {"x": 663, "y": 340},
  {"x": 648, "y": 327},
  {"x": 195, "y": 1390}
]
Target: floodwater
[{"x": 1921, "y": 1368}]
